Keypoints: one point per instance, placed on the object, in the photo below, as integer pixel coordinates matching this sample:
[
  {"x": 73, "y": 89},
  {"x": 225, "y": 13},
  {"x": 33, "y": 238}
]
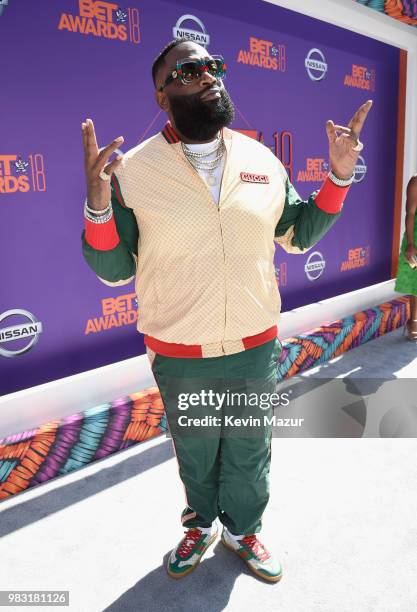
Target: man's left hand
[{"x": 341, "y": 154}]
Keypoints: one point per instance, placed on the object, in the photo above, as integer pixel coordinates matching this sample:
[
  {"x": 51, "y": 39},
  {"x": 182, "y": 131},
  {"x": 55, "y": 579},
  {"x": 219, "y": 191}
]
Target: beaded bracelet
[
  {"x": 341, "y": 182},
  {"x": 98, "y": 212},
  {"x": 101, "y": 218}
]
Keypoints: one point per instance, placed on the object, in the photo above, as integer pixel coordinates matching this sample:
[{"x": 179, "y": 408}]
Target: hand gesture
[
  {"x": 95, "y": 162},
  {"x": 409, "y": 253},
  {"x": 344, "y": 148}
]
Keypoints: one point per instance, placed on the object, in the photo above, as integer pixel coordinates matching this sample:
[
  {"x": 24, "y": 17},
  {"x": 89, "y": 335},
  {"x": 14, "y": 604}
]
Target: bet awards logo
[
  {"x": 3, "y": 4},
  {"x": 361, "y": 77},
  {"x": 199, "y": 36},
  {"x": 19, "y": 174},
  {"x": 104, "y": 20},
  {"x": 315, "y": 64},
  {"x": 116, "y": 312},
  {"x": 360, "y": 170},
  {"x": 264, "y": 54},
  {"x": 13, "y": 335},
  {"x": 314, "y": 266},
  {"x": 316, "y": 170},
  {"x": 357, "y": 258}
]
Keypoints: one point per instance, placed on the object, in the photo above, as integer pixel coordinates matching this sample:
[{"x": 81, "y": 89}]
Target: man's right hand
[
  {"x": 98, "y": 191},
  {"x": 409, "y": 253}
]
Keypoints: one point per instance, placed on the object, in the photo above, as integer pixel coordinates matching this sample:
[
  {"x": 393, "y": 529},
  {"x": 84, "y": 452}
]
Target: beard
[{"x": 200, "y": 120}]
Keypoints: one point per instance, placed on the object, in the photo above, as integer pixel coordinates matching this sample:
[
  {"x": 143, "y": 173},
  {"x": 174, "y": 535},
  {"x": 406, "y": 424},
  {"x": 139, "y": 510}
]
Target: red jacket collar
[{"x": 170, "y": 134}]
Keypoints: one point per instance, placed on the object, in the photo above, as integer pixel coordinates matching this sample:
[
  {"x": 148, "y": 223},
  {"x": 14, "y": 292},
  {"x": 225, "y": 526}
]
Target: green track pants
[{"x": 223, "y": 463}]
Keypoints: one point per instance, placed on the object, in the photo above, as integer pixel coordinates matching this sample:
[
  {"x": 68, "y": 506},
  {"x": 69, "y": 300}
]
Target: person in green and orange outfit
[
  {"x": 406, "y": 281},
  {"x": 193, "y": 214}
]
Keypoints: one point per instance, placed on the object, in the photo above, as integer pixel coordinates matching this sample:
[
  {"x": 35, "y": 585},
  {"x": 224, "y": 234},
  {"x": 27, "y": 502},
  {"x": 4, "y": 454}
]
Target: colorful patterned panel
[
  {"x": 64, "y": 445},
  {"x": 323, "y": 343},
  {"x": 403, "y": 10}
]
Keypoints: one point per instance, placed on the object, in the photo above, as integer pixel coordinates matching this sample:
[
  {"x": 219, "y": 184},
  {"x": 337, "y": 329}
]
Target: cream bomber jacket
[{"x": 204, "y": 273}]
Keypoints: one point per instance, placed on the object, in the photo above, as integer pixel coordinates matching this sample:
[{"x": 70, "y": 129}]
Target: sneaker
[
  {"x": 187, "y": 555},
  {"x": 254, "y": 553}
]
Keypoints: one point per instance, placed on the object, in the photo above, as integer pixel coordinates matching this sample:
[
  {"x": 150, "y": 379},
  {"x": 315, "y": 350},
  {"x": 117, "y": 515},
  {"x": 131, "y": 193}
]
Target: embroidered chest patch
[{"x": 254, "y": 178}]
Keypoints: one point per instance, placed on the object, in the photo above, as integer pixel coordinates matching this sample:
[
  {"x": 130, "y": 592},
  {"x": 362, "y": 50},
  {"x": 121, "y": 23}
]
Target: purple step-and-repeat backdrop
[{"x": 68, "y": 60}]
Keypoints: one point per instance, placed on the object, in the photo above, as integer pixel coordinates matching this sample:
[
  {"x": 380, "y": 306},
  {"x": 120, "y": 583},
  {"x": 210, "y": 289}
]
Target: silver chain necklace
[{"x": 196, "y": 158}]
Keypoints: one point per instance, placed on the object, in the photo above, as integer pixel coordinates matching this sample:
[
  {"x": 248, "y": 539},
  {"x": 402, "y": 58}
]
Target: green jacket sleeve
[
  {"x": 116, "y": 266},
  {"x": 302, "y": 223}
]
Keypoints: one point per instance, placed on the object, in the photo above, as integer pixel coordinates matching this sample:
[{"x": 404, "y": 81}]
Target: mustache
[
  {"x": 191, "y": 98},
  {"x": 202, "y": 93}
]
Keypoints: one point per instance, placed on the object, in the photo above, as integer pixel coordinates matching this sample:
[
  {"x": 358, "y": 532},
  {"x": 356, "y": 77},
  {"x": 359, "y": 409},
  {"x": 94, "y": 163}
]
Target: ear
[{"x": 162, "y": 100}]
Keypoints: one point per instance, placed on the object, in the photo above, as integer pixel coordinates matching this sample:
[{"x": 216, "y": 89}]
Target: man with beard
[{"x": 193, "y": 216}]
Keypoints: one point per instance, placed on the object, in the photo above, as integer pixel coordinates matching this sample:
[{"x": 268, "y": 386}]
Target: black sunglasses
[{"x": 188, "y": 71}]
